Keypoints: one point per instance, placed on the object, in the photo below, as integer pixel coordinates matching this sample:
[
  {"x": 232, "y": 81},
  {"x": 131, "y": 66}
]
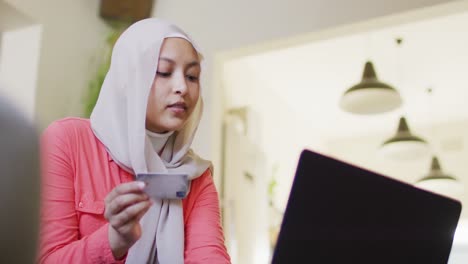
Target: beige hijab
[{"x": 118, "y": 120}]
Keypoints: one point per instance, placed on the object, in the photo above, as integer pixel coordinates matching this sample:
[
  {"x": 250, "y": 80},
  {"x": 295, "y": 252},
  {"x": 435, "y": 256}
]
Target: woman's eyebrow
[
  {"x": 188, "y": 65},
  {"x": 193, "y": 64},
  {"x": 166, "y": 59}
]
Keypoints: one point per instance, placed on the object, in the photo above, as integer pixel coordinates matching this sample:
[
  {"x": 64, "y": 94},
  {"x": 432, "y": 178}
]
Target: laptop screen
[{"x": 340, "y": 213}]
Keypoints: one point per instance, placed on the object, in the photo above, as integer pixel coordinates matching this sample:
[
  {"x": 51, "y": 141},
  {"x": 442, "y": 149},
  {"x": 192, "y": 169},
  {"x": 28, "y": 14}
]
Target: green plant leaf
[{"x": 95, "y": 83}]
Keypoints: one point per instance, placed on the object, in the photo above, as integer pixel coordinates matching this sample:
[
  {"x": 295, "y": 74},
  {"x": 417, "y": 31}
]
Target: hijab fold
[{"x": 118, "y": 121}]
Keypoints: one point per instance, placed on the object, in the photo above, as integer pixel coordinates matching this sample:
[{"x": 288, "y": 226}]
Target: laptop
[{"x": 340, "y": 213}]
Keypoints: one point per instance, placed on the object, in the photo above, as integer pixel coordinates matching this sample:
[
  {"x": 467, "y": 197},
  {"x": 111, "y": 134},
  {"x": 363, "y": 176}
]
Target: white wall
[
  {"x": 274, "y": 137},
  {"x": 19, "y": 65},
  {"x": 20, "y": 39},
  {"x": 459, "y": 254},
  {"x": 72, "y": 33},
  {"x": 246, "y": 227}
]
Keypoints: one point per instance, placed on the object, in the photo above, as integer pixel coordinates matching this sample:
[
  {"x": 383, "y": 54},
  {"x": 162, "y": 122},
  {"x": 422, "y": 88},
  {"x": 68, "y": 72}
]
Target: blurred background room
[{"x": 381, "y": 84}]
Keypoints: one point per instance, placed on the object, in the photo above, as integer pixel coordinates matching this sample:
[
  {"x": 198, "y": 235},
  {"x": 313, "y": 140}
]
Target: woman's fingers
[
  {"x": 133, "y": 227},
  {"x": 143, "y": 212},
  {"x": 129, "y": 187},
  {"x": 120, "y": 202},
  {"x": 129, "y": 214}
]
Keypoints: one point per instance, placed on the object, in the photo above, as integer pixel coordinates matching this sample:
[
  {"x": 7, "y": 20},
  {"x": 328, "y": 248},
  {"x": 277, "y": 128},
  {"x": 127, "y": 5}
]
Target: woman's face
[{"x": 175, "y": 88}]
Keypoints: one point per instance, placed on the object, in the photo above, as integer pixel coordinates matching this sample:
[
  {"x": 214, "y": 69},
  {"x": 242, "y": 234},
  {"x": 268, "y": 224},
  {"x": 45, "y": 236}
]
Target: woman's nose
[{"x": 180, "y": 85}]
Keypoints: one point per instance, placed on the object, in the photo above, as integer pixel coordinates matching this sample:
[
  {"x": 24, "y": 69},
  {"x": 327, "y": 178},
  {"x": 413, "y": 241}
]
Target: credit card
[{"x": 164, "y": 186}]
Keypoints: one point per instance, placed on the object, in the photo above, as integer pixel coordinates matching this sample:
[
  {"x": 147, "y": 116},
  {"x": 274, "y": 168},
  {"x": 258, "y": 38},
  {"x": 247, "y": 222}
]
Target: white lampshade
[
  {"x": 439, "y": 182},
  {"x": 405, "y": 150},
  {"x": 370, "y": 96},
  {"x": 404, "y": 146}
]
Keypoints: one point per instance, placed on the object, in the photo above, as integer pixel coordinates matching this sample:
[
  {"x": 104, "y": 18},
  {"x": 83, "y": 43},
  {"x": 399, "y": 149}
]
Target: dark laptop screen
[{"x": 339, "y": 213}]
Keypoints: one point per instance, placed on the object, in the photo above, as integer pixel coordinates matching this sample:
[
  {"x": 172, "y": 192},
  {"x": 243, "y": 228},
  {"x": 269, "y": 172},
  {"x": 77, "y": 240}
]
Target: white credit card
[{"x": 164, "y": 186}]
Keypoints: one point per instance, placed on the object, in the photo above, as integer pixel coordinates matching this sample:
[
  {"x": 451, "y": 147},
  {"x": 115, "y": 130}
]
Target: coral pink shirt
[{"x": 77, "y": 175}]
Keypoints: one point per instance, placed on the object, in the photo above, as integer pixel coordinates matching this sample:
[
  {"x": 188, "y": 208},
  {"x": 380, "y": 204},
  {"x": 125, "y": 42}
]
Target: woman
[{"x": 145, "y": 119}]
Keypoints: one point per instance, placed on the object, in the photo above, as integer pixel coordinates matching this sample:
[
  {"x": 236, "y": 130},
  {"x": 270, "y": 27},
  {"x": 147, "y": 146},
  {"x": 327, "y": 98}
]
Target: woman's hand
[{"x": 125, "y": 205}]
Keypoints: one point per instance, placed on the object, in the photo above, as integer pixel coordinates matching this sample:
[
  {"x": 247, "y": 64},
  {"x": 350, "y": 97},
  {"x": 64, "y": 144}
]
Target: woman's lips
[{"x": 178, "y": 108}]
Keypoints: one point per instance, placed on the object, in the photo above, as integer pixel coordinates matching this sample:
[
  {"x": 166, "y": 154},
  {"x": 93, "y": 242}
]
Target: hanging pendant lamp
[
  {"x": 404, "y": 145},
  {"x": 438, "y": 181},
  {"x": 370, "y": 96}
]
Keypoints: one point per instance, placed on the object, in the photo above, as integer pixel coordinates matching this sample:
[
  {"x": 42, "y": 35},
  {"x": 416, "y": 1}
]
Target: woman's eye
[
  {"x": 163, "y": 74},
  {"x": 192, "y": 78}
]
